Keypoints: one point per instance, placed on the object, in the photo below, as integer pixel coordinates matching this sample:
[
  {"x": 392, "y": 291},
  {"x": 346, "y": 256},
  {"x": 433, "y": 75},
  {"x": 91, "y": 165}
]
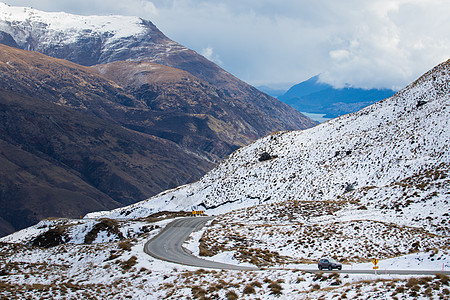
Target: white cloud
[
  {"x": 378, "y": 43},
  {"x": 208, "y": 52},
  {"x": 340, "y": 54},
  {"x": 141, "y": 8}
]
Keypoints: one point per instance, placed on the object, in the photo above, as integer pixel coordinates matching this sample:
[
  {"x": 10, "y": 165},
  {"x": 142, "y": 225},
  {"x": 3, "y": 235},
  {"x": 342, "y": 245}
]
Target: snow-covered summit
[
  {"x": 86, "y": 40},
  {"x": 393, "y": 155},
  {"x": 72, "y": 26}
]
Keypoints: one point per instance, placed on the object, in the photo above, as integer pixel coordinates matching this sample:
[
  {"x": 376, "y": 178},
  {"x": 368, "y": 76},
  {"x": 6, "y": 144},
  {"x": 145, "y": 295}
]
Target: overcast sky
[{"x": 363, "y": 43}]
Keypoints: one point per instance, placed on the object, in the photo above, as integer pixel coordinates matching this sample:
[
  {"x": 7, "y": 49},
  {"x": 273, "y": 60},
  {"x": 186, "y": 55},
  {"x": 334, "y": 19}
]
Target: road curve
[{"x": 167, "y": 245}]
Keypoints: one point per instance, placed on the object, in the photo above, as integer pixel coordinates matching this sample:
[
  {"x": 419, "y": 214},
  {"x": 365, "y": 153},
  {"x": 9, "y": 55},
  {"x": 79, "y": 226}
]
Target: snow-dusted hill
[
  {"x": 393, "y": 155},
  {"x": 373, "y": 184}
]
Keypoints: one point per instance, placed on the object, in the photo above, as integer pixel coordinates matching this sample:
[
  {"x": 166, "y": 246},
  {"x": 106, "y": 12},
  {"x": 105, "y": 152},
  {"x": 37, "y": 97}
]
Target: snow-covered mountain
[
  {"x": 93, "y": 40},
  {"x": 393, "y": 155}
]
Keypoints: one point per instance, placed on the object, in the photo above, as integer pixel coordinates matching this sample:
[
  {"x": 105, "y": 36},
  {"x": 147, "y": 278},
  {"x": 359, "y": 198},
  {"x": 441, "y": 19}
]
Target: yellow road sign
[
  {"x": 376, "y": 267},
  {"x": 375, "y": 261}
]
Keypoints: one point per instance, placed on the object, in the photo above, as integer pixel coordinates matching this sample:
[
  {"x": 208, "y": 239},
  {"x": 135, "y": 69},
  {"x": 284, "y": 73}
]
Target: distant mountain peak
[
  {"x": 306, "y": 87},
  {"x": 314, "y": 96}
]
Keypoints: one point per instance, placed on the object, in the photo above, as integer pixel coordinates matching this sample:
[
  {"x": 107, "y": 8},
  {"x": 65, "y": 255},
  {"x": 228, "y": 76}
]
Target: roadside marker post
[{"x": 375, "y": 267}]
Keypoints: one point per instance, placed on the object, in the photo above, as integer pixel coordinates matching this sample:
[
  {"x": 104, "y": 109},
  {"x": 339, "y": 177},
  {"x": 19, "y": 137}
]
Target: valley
[{"x": 169, "y": 126}]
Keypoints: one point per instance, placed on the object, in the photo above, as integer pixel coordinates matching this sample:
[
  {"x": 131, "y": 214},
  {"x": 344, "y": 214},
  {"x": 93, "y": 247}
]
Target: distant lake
[{"x": 316, "y": 117}]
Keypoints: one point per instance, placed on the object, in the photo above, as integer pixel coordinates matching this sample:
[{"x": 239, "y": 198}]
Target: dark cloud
[{"x": 378, "y": 43}]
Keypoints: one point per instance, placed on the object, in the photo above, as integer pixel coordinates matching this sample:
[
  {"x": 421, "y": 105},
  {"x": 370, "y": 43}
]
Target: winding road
[{"x": 167, "y": 246}]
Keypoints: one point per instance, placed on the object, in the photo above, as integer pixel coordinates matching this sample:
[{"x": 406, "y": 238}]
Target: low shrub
[
  {"x": 266, "y": 156},
  {"x": 125, "y": 245},
  {"x": 248, "y": 289},
  {"x": 300, "y": 279},
  {"x": 275, "y": 288},
  {"x": 413, "y": 284},
  {"x": 110, "y": 225},
  {"x": 198, "y": 292},
  {"x": 51, "y": 238},
  {"x": 336, "y": 282},
  {"x": 127, "y": 265},
  {"x": 443, "y": 278},
  {"x": 318, "y": 276},
  {"x": 231, "y": 295}
]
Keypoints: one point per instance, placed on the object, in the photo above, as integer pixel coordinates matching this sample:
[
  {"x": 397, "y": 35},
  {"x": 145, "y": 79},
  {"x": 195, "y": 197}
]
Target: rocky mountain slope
[
  {"x": 191, "y": 112},
  {"x": 91, "y": 40},
  {"x": 69, "y": 129},
  {"x": 183, "y": 109},
  {"x": 313, "y": 96},
  {"x": 60, "y": 162}
]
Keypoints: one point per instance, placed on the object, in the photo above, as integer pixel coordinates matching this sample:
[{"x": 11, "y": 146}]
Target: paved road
[
  {"x": 382, "y": 272},
  {"x": 167, "y": 245}
]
